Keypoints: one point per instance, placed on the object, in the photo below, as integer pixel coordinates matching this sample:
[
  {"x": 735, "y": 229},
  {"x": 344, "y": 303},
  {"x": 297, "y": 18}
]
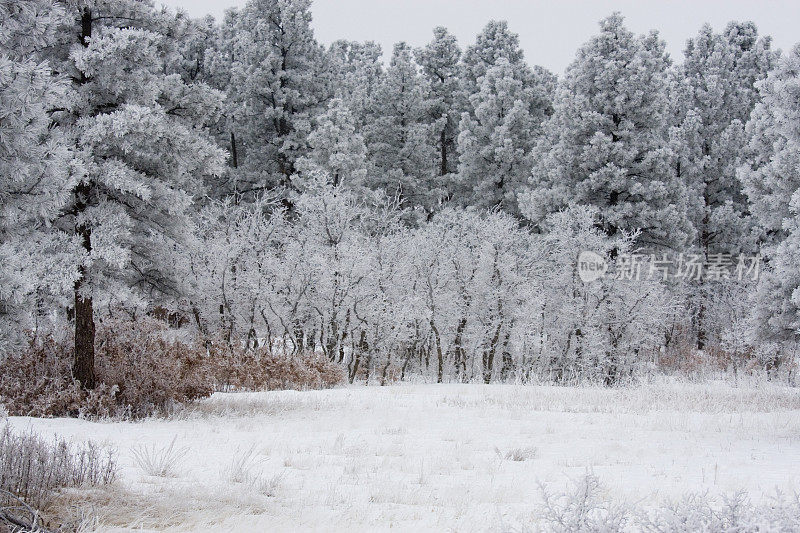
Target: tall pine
[
  {"x": 607, "y": 143},
  {"x": 141, "y": 156}
]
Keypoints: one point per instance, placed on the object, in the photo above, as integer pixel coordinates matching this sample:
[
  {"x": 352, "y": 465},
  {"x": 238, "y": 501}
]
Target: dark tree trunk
[
  {"x": 439, "y": 355},
  {"x": 705, "y": 239},
  {"x": 83, "y": 366},
  {"x": 83, "y": 369},
  {"x": 460, "y": 352},
  {"x": 488, "y": 355},
  {"x": 234, "y": 152},
  {"x": 443, "y": 148}
]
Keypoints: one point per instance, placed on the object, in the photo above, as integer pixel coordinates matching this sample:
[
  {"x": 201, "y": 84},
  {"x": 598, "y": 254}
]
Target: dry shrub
[
  {"x": 139, "y": 372},
  {"x": 259, "y": 370},
  {"x": 38, "y": 382},
  {"x": 33, "y": 469},
  {"x": 143, "y": 368},
  {"x": 148, "y": 371}
]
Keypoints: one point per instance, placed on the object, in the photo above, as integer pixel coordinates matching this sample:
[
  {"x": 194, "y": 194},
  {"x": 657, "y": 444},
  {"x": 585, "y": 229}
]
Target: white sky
[{"x": 550, "y": 30}]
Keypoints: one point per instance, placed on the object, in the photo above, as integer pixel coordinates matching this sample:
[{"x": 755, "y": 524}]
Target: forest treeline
[{"x": 418, "y": 217}]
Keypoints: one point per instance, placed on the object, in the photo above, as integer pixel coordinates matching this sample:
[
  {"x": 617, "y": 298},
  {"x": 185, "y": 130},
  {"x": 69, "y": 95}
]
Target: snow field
[{"x": 435, "y": 457}]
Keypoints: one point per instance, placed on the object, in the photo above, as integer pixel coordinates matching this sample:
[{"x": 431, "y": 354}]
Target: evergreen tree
[
  {"x": 400, "y": 140},
  {"x": 495, "y": 42},
  {"x": 357, "y": 71},
  {"x": 771, "y": 178},
  {"x": 496, "y": 139},
  {"x": 37, "y": 263},
  {"x": 715, "y": 93},
  {"x": 439, "y": 61},
  {"x": 770, "y": 172},
  {"x": 141, "y": 154},
  {"x": 276, "y": 79},
  {"x": 607, "y": 143},
  {"x": 505, "y": 101},
  {"x": 337, "y": 150}
]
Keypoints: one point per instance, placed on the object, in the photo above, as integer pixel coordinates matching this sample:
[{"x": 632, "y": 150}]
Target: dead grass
[{"x": 159, "y": 461}]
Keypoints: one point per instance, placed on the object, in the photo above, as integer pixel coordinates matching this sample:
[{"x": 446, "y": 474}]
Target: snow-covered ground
[{"x": 438, "y": 457}]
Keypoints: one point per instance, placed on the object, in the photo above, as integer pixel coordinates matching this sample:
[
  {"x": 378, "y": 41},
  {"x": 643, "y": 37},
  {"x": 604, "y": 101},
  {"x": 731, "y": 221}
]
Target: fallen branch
[{"x": 10, "y": 515}]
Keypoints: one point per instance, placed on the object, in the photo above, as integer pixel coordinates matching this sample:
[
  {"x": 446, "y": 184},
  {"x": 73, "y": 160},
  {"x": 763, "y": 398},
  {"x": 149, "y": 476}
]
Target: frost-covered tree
[
  {"x": 141, "y": 155},
  {"x": 771, "y": 178},
  {"x": 336, "y": 150},
  {"x": 357, "y": 70},
  {"x": 770, "y": 173},
  {"x": 496, "y": 138},
  {"x": 36, "y": 262},
  {"x": 230, "y": 266},
  {"x": 714, "y": 93},
  {"x": 604, "y": 330},
  {"x": 399, "y": 137},
  {"x": 495, "y": 42},
  {"x": 607, "y": 143},
  {"x": 506, "y": 101},
  {"x": 439, "y": 61},
  {"x": 275, "y": 76}
]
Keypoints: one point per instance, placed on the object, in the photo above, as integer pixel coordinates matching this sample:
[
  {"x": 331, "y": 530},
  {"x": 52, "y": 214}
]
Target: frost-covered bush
[
  {"x": 143, "y": 368},
  {"x": 139, "y": 370},
  {"x": 33, "y": 469},
  {"x": 734, "y": 514},
  {"x": 581, "y": 508},
  {"x": 585, "y": 506}
]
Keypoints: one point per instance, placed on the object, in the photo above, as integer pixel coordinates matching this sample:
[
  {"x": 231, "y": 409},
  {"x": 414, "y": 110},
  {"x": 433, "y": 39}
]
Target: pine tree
[
  {"x": 357, "y": 70},
  {"x": 337, "y": 151},
  {"x": 770, "y": 173},
  {"x": 400, "y": 140},
  {"x": 439, "y": 61},
  {"x": 495, "y": 42},
  {"x": 607, "y": 143},
  {"x": 36, "y": 261},
  {"x": 276, "y": 79},
  {"x": 141, "y": 155},
  {"x": 496, "y": 139},
  {"x": 506, "y": 102},
  {"x": 771, "y": 178},
  {"x": 715, "y": 94}
]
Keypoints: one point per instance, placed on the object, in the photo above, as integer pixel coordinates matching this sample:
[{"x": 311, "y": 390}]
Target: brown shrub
[
  {"x": 259, "y": 370},
  {"x": 139, "y": 372},
  {"x": 147, "y": 371},
  {"x": 142, "y": 369}
]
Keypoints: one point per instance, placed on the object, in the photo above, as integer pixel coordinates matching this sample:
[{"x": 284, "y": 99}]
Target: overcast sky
[{"x": 550, "y": 31}]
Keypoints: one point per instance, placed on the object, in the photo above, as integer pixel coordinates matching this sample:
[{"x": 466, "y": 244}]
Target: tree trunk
[
  {"x": 443, "y": 148},
  {"x": 460, "y": 352},
  {"x": 439, "y": 355},
  {"x": 234, "y": 152},
  {"x": 83, "y": 365},
  {"x": 488, "y": 355},
  {"x": 83, "y": 368}
]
